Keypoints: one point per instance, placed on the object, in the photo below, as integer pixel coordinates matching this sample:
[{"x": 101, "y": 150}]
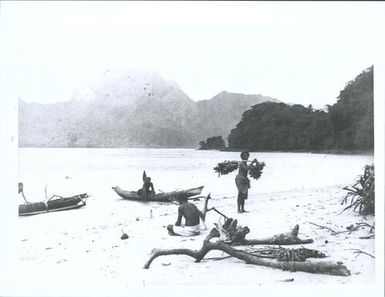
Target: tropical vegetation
[
  {"x": 361, "y": 195},
  {"x": 346, "y": 125}
]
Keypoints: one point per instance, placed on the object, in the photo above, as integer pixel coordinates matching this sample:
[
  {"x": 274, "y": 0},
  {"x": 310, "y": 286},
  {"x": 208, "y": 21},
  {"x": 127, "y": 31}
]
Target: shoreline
[
  {"x": 330, "y": 152},
  {"x": 94, "y": 248}
]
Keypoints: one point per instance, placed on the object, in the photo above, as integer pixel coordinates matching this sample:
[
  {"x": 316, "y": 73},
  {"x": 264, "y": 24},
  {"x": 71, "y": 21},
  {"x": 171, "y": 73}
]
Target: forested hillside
[
  {"x": 346, "y": 125},
  {"x": 352, "y": 116}
]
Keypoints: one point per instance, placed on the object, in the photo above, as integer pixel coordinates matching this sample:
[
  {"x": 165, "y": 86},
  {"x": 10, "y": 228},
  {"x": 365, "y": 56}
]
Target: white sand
[
  {"x": 80, "y": 253},
  {"x": 92, "y": 253}
]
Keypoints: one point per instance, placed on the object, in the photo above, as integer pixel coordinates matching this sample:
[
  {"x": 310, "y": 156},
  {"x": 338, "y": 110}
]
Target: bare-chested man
[
  {"x": 147, "y": 191},
  {"x": 242, "y": 181},
  {"x": 191, "y": 214}
]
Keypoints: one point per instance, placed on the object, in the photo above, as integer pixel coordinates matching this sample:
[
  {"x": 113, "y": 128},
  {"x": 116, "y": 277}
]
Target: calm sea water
[{"x": 95, "y": 171}]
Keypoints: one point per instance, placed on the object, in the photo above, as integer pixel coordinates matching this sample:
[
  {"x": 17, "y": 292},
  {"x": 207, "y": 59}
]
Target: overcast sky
[{"x": 297, "y": 52}]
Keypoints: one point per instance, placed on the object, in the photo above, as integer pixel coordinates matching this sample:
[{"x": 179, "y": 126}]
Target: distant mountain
[
  {"x": 220, "y": 114},
  {"x": 124, "y": 87},
  {"x": 131, "y": 108}
]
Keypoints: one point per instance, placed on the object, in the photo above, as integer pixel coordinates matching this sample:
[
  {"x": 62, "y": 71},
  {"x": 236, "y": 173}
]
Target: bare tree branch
[
  {"x": 324, "y": 267},
  {"x": 327, "y": 228},
  {"x": 350, "y": 228},
  {"x": 359, "y": 252}
]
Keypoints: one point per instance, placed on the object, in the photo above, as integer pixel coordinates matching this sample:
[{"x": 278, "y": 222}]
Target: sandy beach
[
  {"x": 81, "y": 253},
  {"x": 95, "y": 251}
]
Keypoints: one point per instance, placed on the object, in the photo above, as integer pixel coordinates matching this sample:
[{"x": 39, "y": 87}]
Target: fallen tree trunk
[
  {"x": 234, "y": 234},
  {"x": 231, "y": 234},
  {"x": 272, "y": 240},
  {"x": 281, "y": 239},
  {"x": 322, "y": 267}
]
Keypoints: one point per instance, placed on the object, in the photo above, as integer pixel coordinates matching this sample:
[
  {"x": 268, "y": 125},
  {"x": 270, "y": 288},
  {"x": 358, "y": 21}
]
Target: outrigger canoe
[
  {"x": 56, "y": 203},
  {"x": 160, "y": 197}
]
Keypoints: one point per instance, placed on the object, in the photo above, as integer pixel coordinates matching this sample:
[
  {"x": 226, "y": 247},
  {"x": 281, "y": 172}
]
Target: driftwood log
[
  {"x": 324, "y": 267},
  {"x": 231, "y": 234}
]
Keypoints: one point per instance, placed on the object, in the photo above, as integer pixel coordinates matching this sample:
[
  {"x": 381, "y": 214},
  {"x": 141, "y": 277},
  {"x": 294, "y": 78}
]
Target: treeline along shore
[
  {"x": 344, "y": 127},
  {"x": 331, "y": 151}
]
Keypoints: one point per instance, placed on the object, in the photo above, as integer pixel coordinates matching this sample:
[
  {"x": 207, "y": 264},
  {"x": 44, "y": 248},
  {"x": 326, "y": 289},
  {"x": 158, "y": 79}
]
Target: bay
[{"x": 66, "y": 171}]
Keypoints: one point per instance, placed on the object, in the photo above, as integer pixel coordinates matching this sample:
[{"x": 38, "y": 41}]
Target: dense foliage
[
  {"x": 213, "y": 143},
  {"x": 226, "y": 167},
  {"x": 346, "y": 125},
  {"x": 352, "y": 116},
  {"x": 362, "y": 193},
  {"x": 278, "y": 126}
]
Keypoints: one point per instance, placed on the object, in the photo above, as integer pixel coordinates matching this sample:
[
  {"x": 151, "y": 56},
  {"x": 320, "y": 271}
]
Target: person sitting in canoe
[
  {"x": 147, "y": 190},
  {"x": 192, "y": 216}
]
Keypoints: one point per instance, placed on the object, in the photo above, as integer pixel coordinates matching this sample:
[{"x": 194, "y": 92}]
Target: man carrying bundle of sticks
[
  {"x": 192, "y": 216},
  {"x": 242, "y": 181}
]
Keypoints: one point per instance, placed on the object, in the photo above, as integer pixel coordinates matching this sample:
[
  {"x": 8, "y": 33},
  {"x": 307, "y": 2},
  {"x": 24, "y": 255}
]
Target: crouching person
[{"x": 191, "y": 215}]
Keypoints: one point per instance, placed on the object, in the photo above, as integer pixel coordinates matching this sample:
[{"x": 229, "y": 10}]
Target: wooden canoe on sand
[
  {"x": 160, "y": 197},
  {"x": 56, "y": 203}
]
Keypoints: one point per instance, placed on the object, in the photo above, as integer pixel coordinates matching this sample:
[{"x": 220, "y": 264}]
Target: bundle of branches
[
  {"x": 227, "y": 167},
  {"x": 362, "y": 193},
  {"x": 286, "y": 254},
  {"x": 256, "y": 169}
]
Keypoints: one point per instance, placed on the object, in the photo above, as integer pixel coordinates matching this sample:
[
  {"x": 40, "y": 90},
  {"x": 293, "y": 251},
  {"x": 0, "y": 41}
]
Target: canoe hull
[
  {"x": 160, "y": 197},
  {"x": 59, "y": 204}
]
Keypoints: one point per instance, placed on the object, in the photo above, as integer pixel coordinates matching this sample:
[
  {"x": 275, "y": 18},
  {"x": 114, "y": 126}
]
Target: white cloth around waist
[{"x": 186, "y": 230}]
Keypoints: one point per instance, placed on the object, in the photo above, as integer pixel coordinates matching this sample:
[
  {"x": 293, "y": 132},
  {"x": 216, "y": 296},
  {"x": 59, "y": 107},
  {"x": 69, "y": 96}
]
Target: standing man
[
  {"x": 191, "y": 215},
  {"x": 242, "y": 181}
]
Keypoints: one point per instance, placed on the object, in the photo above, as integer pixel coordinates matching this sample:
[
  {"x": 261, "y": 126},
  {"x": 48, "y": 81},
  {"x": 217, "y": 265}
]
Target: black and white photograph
[{"x": 181, "y": 148}]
